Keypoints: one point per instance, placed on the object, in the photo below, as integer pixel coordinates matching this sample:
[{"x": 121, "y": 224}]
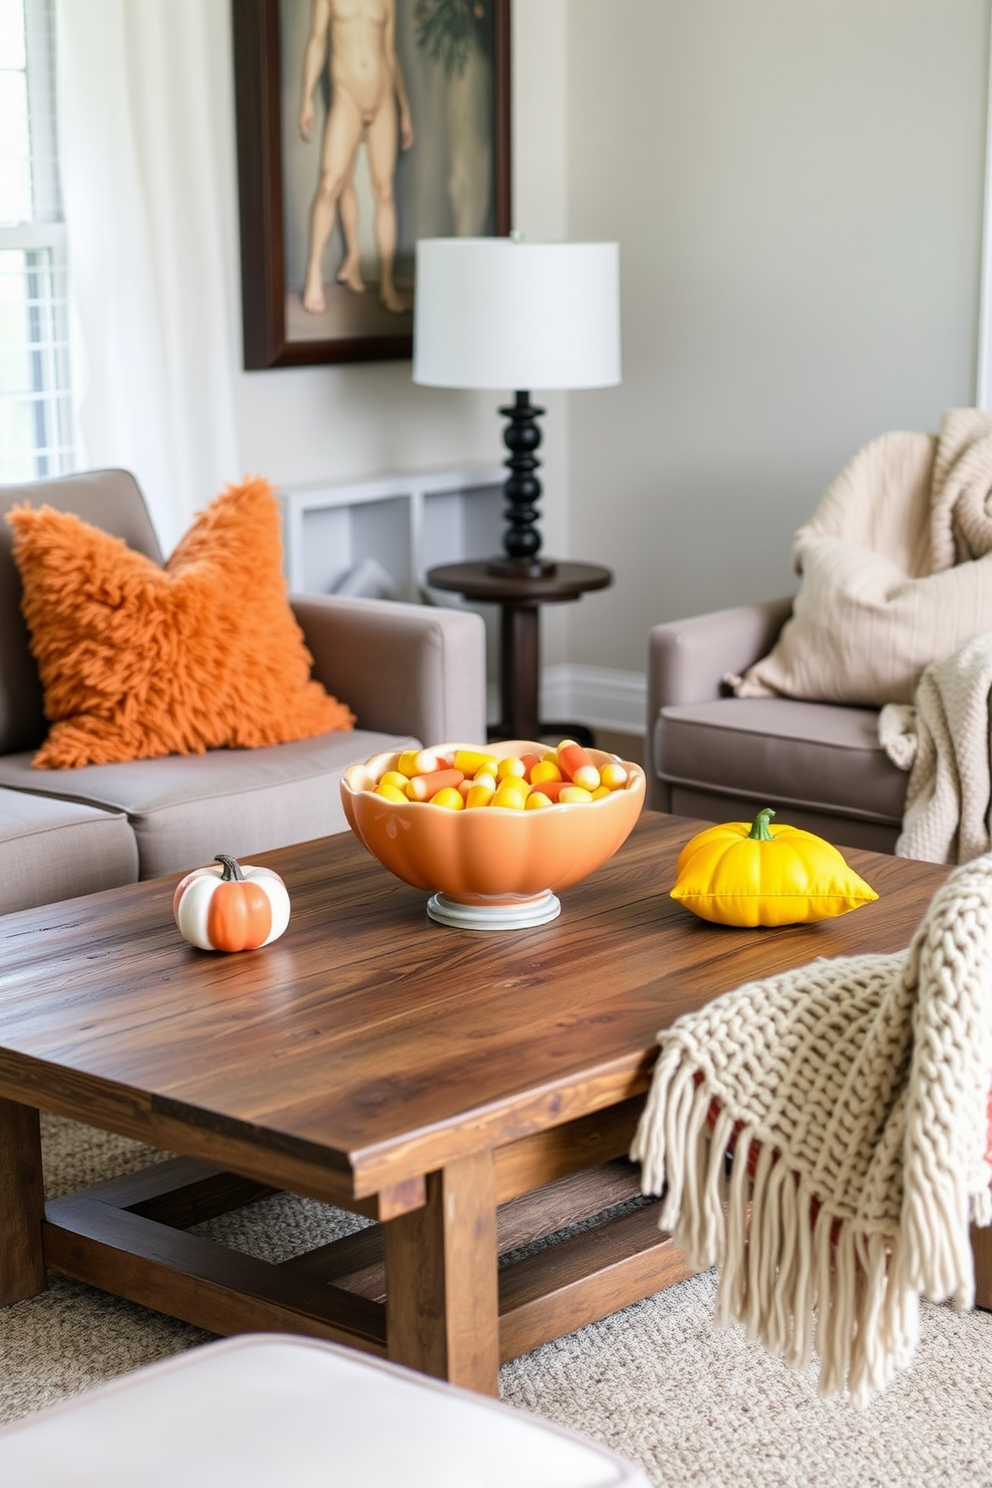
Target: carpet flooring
[{"x": 692, "y": 1404}]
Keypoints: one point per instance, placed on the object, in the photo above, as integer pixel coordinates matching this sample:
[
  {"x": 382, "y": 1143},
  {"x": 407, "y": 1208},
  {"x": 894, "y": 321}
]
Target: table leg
[
  {"x": 981, "y": 1244},
  {"x": 22, "y": 1204},
  {"x": 520, "y": 683},
  {"x": 519, "y": 665},
  {"x": 442, "y": 1294}
]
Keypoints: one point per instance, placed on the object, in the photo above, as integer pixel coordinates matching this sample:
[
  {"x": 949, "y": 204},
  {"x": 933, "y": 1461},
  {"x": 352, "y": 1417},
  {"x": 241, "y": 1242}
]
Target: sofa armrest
[
  {"x": 688, "y": 659},
  {"x": 401, "y": 668}
]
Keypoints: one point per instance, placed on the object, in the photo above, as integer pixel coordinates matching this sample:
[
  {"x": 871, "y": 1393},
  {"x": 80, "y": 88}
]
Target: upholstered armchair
[
  {"x": 895, "y": 608},
  {"x": 713, "y": 755}
]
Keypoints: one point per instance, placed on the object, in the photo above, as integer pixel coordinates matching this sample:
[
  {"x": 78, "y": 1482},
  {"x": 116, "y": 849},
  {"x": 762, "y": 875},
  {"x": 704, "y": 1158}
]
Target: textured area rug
[{"x": 656, "y": 1382}]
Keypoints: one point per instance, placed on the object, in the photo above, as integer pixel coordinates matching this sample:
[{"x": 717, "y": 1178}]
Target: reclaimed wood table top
[{"x": 369, "y": 1045}]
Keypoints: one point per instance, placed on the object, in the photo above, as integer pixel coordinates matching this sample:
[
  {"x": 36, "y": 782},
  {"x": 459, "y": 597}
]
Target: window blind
[{"x": 36, "y": 423}]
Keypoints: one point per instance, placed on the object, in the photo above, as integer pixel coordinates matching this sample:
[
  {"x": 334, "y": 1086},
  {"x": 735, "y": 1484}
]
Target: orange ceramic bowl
[{"x": 491, "y": 867}]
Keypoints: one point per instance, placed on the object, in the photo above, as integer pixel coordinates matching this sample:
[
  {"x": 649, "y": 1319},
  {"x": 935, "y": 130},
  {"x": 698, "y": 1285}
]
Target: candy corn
[{"x": 472, "y": 778}]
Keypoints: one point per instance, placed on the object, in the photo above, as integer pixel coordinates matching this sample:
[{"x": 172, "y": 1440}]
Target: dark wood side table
[{"x": 520, "y": 600}]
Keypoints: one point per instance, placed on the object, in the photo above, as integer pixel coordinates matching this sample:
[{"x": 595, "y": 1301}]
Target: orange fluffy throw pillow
[{"x": 138, "y": 661}]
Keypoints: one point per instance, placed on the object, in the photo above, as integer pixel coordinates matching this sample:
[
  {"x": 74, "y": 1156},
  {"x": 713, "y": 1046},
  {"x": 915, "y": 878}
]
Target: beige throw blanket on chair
[
  {"x": 862, "y": 1085},
  {"x": 897, "y": 569},
  {"x": 943, "y": 739}
]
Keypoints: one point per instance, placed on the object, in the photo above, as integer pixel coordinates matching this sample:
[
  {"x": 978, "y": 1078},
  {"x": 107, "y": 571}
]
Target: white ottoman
[{"x": 264, "y": 1409}]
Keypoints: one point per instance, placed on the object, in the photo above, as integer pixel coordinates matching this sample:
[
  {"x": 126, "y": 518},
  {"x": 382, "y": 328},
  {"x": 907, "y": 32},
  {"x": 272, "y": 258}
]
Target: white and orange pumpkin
[{"x": 229, "y": 907}]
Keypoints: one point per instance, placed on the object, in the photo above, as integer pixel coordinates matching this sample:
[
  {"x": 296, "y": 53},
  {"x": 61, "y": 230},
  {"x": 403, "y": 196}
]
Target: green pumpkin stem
[
  {"x": 232, "y": 868},
  {"x": 759, "y": 831}
]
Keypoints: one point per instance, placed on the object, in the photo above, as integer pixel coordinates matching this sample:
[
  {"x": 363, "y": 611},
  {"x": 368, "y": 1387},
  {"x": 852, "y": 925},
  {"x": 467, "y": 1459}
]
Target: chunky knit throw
[
  {"x": 852, "y": 1094},
  {"x": 942, "y": 739},
  {"x": 896, "y": 564}
]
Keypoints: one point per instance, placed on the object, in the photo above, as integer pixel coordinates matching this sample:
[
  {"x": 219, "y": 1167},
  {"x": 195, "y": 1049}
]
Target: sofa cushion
[
  {"x": 185, "y": 809},
  {"x": 138, "y": 661},
  {"x": 52, "y": 849},
  {"x": 777, "y": 750}
]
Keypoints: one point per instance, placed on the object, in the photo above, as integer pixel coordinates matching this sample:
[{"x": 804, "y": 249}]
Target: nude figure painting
[{"x": 363, "y": 125}]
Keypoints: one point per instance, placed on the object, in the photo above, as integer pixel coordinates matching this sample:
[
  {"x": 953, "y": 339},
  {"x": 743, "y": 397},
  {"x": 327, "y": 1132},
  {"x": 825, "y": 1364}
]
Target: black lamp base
[{"x": 522, "y": 489}]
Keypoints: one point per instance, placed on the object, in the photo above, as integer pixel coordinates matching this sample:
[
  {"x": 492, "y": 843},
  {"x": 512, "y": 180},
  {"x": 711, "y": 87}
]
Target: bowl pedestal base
[{"x": 514, "y": 915}]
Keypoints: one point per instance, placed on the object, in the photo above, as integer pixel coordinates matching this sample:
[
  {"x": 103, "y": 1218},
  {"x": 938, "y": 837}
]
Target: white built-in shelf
[{"x": 405, "y": 523}]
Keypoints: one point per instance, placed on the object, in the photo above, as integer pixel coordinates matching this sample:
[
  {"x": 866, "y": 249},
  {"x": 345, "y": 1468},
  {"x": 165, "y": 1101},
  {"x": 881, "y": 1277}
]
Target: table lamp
[{"x": 504, "y": 313}]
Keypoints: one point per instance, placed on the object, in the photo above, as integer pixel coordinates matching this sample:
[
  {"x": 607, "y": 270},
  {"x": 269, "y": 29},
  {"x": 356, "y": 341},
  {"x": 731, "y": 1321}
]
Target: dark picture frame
[{"x": 278, "y": 331}]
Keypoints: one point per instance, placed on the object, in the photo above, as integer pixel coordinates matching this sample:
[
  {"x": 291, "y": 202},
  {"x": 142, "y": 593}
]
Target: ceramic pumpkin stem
[
  {"x": 759, "y": 831},
  {"x": 232, "y": 868}
]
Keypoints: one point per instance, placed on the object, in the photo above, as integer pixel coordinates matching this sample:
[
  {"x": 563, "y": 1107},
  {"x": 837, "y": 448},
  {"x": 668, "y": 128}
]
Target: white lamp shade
[{"x": 499, "y": 313}]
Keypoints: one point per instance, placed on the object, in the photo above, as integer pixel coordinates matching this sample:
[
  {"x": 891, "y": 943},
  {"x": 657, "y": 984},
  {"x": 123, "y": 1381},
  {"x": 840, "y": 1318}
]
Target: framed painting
[{"x": 362, "y": 125}]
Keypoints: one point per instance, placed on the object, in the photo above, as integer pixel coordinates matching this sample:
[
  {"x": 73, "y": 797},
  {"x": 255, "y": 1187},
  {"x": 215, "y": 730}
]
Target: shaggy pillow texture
[{"x": 138, "y": 661}]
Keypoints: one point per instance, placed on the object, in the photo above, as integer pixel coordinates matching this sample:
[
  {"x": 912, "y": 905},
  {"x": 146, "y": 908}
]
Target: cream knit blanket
[
  {"x": 943, "y": 740},
  {"x": 897, "y": 569},
  {"x": 860, "y": 1085}
]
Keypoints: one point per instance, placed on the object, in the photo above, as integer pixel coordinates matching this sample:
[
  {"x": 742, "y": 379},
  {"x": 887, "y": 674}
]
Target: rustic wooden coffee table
[{"x": 471, "y": 1092}]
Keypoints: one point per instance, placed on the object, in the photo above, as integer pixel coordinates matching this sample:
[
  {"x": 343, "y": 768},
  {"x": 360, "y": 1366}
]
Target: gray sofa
[
  {"x": 410, "y": 673},
  {"x": 722, "y": 758}
]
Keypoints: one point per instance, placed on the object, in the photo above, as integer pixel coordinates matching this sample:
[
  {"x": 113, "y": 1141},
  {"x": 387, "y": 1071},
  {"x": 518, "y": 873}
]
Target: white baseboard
[{"x": 598, "y": 696}]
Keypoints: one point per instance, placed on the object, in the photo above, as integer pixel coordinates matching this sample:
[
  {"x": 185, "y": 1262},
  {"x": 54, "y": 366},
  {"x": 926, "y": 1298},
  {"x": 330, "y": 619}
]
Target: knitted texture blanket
[
  {"x": 942, "y": 739},
  {"x": 896, "y": 567},
  {"x": 853, "y": 1095}
]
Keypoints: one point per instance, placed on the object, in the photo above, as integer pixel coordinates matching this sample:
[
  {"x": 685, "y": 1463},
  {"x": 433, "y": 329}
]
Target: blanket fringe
[
  {"x": 935, "y": 1256},
  {"x": 798, "y": 1278}
]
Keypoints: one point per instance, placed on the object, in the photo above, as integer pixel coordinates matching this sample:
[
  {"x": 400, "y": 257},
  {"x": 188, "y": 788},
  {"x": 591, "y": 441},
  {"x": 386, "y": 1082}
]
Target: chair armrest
[
  {"x": 688, "y": 659},
  {"x": 401, "y": 668}
]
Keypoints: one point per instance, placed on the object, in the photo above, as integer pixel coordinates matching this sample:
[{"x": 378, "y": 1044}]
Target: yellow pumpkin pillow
[
  {"x": 137, "y": 660},
  {"x": 743, "y": 874}
]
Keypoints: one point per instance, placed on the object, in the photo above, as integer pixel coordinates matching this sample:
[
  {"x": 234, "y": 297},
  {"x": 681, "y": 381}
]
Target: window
[{"x": 35, "y": 396}]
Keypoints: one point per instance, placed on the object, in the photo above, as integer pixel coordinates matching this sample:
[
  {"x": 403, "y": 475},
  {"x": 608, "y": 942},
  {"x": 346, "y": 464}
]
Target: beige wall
[{"x": 797, "y": 190}]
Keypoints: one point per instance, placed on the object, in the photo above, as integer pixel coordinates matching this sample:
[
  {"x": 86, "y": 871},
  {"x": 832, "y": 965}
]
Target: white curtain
[{"x": 146, "y": 104}]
